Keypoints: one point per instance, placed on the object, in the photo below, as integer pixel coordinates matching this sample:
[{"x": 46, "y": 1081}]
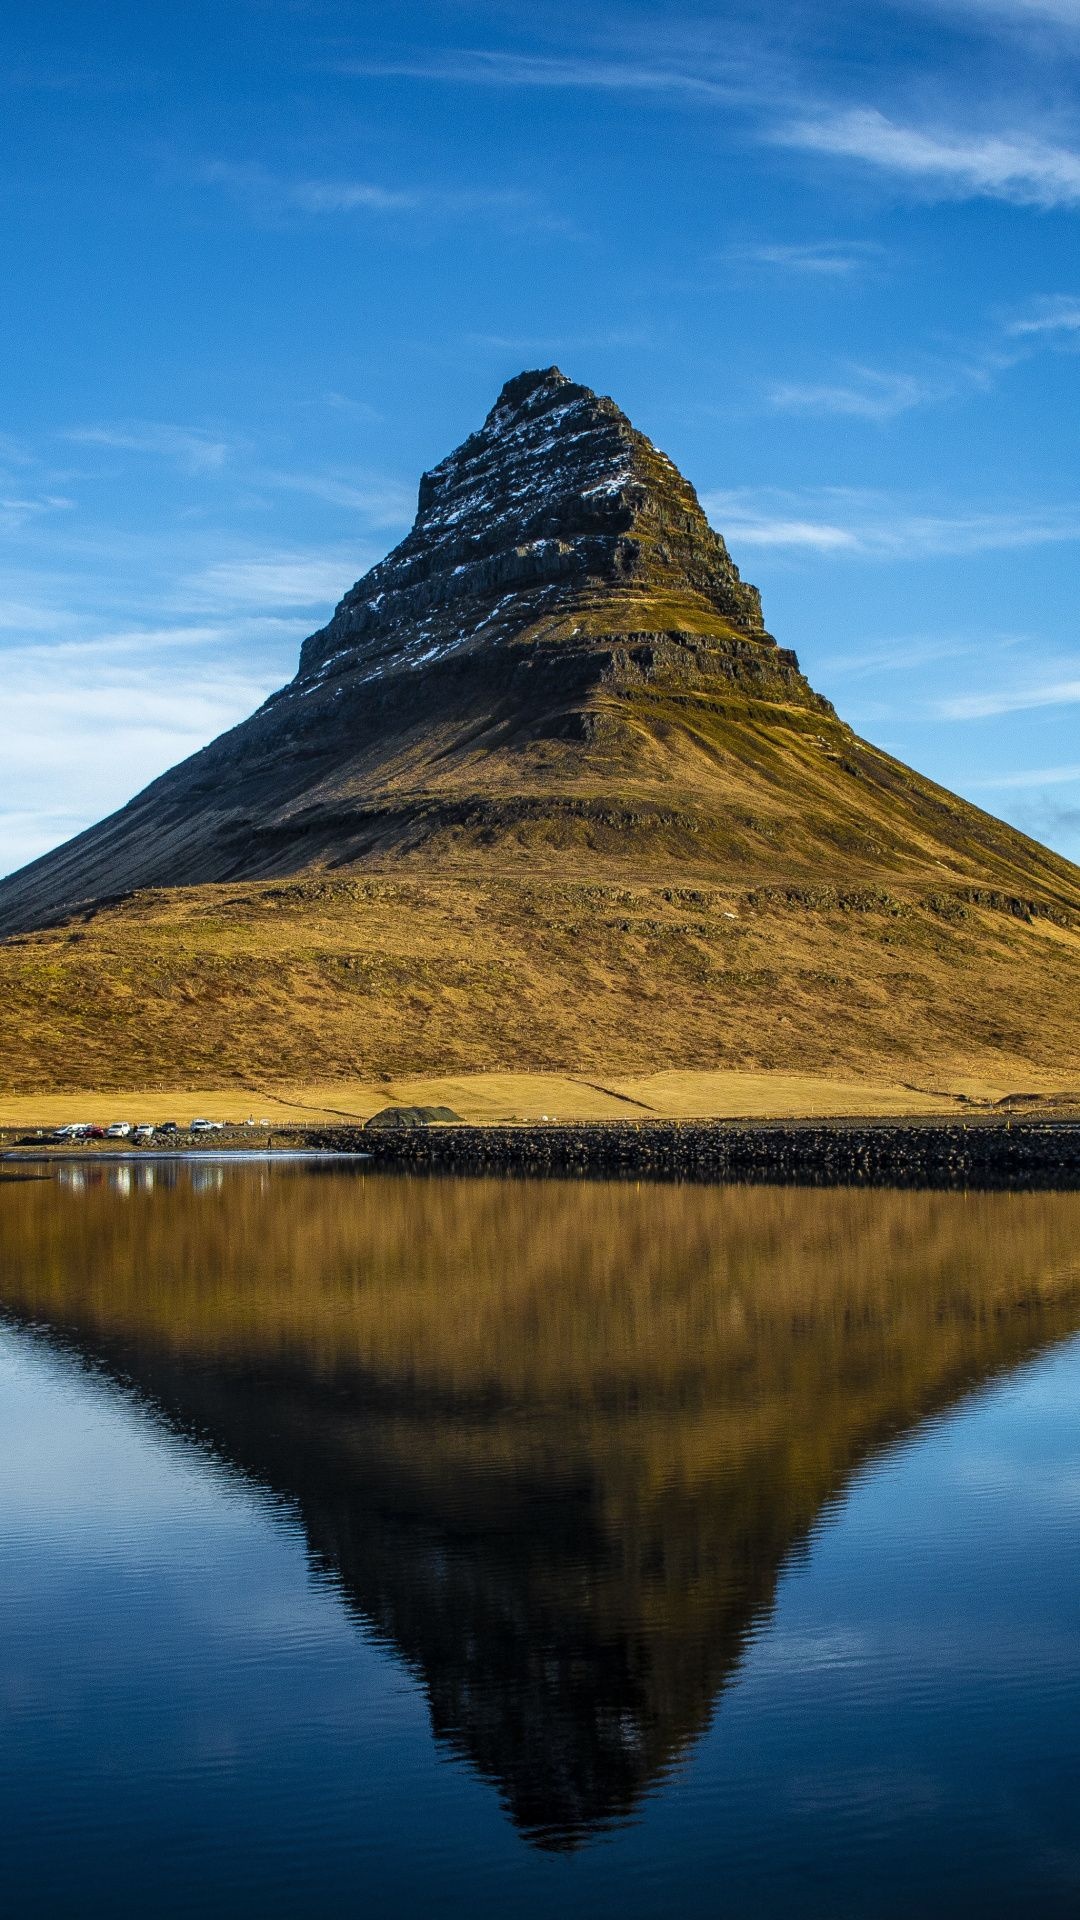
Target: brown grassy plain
[{"x": 504, "y": 997}]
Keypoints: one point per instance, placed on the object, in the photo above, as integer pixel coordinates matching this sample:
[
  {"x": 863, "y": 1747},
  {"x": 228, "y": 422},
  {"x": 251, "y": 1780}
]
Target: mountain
[
  {"x": 557, "y": 680},
  {"x": 554, "y": 1445}
]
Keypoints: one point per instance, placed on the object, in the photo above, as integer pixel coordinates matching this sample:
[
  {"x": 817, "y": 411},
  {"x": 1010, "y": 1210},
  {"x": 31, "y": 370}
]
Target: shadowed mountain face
[
  {"x": 559, "y": 667},
  {"x": 556, "y": 505},
  {"x": 554, "y": 1443}
]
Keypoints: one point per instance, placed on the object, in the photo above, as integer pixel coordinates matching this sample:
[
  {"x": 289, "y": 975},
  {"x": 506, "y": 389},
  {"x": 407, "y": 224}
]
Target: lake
[{"x": 390, "y": 1546}]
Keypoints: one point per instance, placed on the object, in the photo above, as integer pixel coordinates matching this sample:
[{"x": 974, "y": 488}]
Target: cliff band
[{"x": 559, "y": 677}]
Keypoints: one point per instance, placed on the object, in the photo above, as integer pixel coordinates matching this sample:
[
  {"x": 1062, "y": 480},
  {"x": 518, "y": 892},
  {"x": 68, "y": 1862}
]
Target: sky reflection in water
[{"x": 724, "y": 1540}]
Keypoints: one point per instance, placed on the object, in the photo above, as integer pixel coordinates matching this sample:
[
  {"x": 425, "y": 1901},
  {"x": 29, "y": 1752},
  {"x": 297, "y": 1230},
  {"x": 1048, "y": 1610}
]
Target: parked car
[
  {"x": 168, "y": 1126},
  {"x": 119, "y": 1130},
  {"x": 206, "y": 1126},
  {"x": 143, "y": 1133},
  {"x": 95, "y": 1133}
]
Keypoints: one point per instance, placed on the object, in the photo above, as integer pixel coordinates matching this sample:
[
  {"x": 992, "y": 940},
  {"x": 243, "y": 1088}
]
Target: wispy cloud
[
  {"x": 878, "y": 395},
  {"x": 76, "y": 742},
  {"x": 345, "y": 196},
  {"x": 846, "y": 523},
  {"x": 113, "y": 699},
  {"x": 819, "y": 536},
  {"x": 1055, "y": 314},
  {"x": 821, "y": 259},
  {"x": 190, "y": 448},
  {"x": 868, "y": 395},
  {"x": 897, "y": 654},
  {"x": 1020, "y": 168},
  {"x": 479, "y": 66},
  {"x": 308, "y": 580},
  {"x": 140, "y": 642},
  {"x": 306, "y": 195},
  {"x": 17, "y": 509},
  {"x": 276, "y": 195},
  {"x": 381, "y": 503},
  {"x": 1033, "y": 777},
  {"x": 1017, "y": 13},
  {"x": 1018, "y": 699},
  {"x": 26, "y": 832},
  {"x": 345, "y": 403}
]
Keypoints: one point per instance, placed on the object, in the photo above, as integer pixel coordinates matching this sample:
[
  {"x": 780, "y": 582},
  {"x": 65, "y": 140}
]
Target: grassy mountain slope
[
  {"x": 367, "y": 976},
  {"x": 544, "y": 793}
]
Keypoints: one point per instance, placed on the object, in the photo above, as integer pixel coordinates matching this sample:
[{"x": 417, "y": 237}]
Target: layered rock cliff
[
  {"x": 559, "y": 668},
  {"x": 556, "y": 505}
]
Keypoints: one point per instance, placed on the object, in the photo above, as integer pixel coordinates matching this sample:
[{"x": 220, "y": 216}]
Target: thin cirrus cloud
[
  {"x": 305, "y": 195},
  {"x": 74, "y": 745},
  {"x": 1055, "y": 315},
  {"x": 282, "y": 579},
  {"x": 817, "y": 536},
  {"x": 276, "y": 196},
  {"x": 1020, "y": 168},
  {"x": 1025, "y": 699},
  {"x": 869, "y": 395},
  {"x": 1016, "y": 13},
  {"x": 381, "y": 503},
  {"x": 1033, "y": 777},
  {"x": 845, "y": 524},
  {"x": 189, "y": 448},
  {"x": 16, "y": 510},
  {"x": 821, "y": 259},
  {"x": 480, "y": 66}
]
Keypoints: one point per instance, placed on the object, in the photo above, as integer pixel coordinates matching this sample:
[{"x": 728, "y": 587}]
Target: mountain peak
[
  {"x": 559, "y": 666},
  {"x": 556, "y": 503},
  {"x": 525, "y": 386}
]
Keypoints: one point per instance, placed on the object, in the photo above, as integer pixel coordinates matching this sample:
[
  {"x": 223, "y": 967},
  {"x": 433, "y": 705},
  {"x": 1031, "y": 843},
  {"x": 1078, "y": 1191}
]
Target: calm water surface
[{"x": 393, "y": 1547}]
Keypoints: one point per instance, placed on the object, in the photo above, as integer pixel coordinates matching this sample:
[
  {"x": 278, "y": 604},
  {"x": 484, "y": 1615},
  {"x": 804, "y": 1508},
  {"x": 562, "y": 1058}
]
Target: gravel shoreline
[
  {"x": 985, "y": 1153},
  {"x": 924, "y": 1153}
]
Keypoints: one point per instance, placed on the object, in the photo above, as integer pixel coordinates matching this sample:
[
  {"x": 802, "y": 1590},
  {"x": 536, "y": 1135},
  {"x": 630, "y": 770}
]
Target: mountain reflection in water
[{"x": 555, "y": 1442}]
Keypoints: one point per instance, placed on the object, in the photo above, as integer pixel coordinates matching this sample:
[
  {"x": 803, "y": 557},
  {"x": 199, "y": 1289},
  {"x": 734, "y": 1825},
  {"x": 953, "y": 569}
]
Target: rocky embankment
[
  {"x": 984, "y": 1153},
  {"x": 917, "y": 1153}
]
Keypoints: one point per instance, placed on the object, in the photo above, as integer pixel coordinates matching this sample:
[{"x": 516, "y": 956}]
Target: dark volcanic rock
[
  {"x": 558, "y": 666},
  {"x": 555, "y": 495},
  {"x": 557, "y": 560}
]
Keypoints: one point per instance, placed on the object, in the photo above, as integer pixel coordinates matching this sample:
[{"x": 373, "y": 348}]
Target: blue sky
[{"x": 264, "y": 260}]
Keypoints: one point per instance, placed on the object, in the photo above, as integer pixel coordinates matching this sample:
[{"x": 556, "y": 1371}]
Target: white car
[
  {"x": 119, "y": 1130},
  {"x": 143, "y": 1133},
  {"x": 206, "y": 1126}
]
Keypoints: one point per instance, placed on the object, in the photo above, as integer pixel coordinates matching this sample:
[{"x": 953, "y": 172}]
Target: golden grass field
[
  {"x": 900, "y": 950},
  {"x": 492, "y": 1097},
  {"x": 319, "y": 1000},
  {"x": 614, "y": 855}
]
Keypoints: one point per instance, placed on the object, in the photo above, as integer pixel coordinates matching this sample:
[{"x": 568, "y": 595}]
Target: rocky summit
[
  {"x": 556, "y": 505},
  {"x": 497, "y": 680},
  {"x": 558, "y": 680}
]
